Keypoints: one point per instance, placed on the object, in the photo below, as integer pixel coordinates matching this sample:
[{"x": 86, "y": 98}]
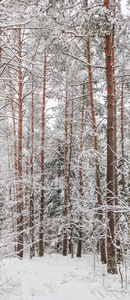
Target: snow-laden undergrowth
[{"x": 55, "y": 277}]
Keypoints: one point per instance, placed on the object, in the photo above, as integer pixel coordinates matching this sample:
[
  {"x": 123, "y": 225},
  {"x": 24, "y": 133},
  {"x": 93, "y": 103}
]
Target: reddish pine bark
[
  {"x": 41, "y": 242},
  {"x": 65, "y": 173},
  {"x": 111, "y": 259},
  {"x": 115, "y": 112},
  {"x": 79, "y": 249},
  {"x": 100, "y": 212},
  {"x": 20, "y": 200}
]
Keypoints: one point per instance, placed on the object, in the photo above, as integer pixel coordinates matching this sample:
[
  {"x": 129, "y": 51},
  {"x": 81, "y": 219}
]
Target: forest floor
[{"x": 55, "y": 277}]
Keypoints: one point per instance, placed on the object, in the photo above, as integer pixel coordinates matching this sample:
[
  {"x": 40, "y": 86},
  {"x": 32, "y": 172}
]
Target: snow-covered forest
[{"x": 64, "y": 138}]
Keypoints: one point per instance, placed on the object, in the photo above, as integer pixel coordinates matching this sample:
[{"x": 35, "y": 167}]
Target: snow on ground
[{"x": 55, "y": 277}]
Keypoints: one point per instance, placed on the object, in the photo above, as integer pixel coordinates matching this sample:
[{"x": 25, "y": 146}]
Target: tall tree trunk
[
  {"x": 100, "y": 212},
  {"x": 32, "y": 248},
  {"x": 27, "y": 187},
  {"x": 14, "y": 127},
  {"x": 79, "y": 249},
  {"x": 71, "y": 250},
  {"x": 27, "y": 173},
  {"x": 115, "y": 185},
  {"x": 15, "y": 185},
  {"x": 20, "y": 194},
  {"x": 11, "y": 194},
  {"x": 111, "y": 258},
  {"x": 122, "y": 135},
  {"x": 41, "y": 242},
  {"x": 65, "y": 173},
  {"x": 115, "y": 112}
]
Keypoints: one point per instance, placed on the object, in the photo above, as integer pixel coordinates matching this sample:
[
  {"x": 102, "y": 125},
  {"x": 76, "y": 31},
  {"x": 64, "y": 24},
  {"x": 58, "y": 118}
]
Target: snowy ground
[{"x": 55, "y": 277}]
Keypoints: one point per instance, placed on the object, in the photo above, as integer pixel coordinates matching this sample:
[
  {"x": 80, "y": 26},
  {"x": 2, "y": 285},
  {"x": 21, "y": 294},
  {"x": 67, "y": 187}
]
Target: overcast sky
[{"x": 123, "y": 4}]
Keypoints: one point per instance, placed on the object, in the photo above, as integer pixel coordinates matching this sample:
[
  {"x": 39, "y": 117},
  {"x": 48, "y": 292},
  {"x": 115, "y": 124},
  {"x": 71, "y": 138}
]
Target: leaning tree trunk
[
  {"x": 111, "y": 257},
  {"x": 41, "y": 242}
]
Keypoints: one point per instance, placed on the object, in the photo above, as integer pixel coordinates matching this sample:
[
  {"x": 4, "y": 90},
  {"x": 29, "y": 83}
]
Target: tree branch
[{"x": 84, "y": 62}]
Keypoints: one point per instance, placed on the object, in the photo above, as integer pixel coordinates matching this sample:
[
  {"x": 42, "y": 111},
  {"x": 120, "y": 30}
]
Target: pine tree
[
  {"x": 111, "y": 257},
  {"x": 65, "y": 172},
  {"x": 41, "y": 241},
  {"x": 122, "y": 135},
  {"x": 32, "y": 247},
  {"x": 20, "y": 193},
  {"x": 79, "y": 249}
]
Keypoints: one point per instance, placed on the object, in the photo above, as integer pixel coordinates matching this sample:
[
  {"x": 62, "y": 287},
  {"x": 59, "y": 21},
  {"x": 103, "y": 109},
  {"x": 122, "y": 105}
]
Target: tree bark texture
[
  {"x": 111, "y": 258},
  {"x": 14, "y": 128},
  {"x": 71, "y": 250},
  {"x": 32, "y": 248},
  {"x": 65, "y": 172},
  {"x": 20, "y": 194},
  {"x": 115, "y": 113},
  {"x": 79, "y": 249},
  {"x": 115, "y": 185},
  {"x": 15, "y": 186},
  {"x": 122, "y": 135},
  {"x": 41, "y": 242},
  {"x": 98, "y": 188}
]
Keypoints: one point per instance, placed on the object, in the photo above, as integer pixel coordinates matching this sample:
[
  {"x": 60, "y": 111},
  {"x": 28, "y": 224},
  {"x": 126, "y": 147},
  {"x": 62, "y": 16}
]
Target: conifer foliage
[{"x": 64, "y": 171}]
